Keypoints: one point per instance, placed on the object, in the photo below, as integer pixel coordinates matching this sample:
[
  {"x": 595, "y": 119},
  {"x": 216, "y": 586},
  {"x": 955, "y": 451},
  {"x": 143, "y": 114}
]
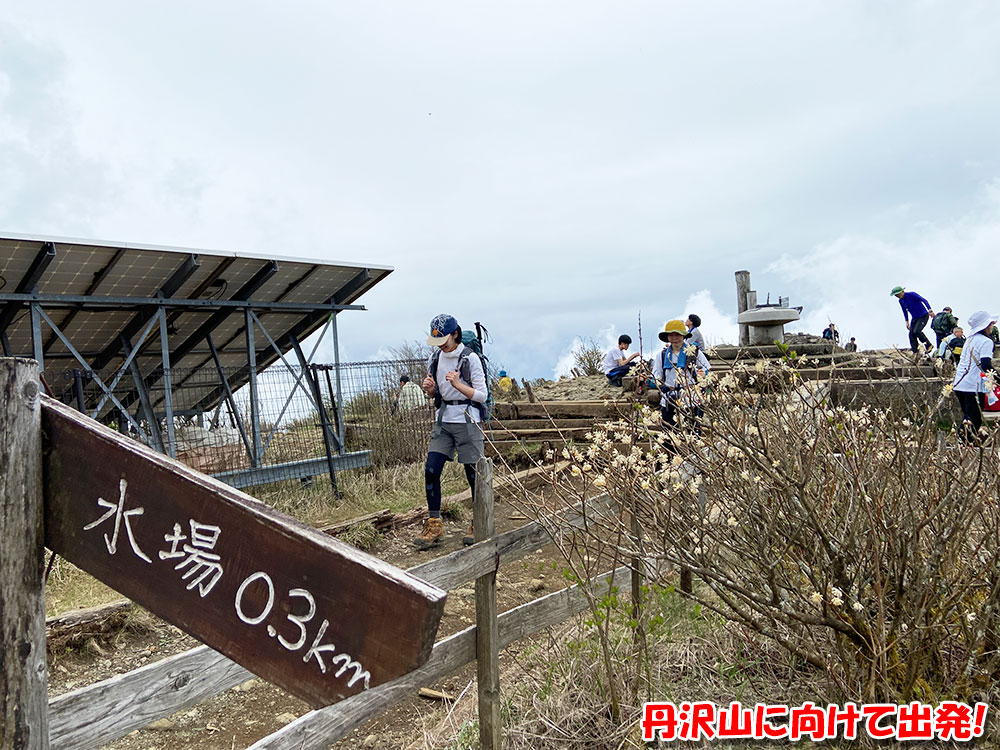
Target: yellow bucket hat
[{"x": 673, "y": 326}]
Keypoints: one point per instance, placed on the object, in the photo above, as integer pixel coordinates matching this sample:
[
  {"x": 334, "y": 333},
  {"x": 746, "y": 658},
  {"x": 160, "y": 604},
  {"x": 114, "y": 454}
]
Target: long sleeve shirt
[
  {"x": 448, "y": 361},
  {"x": 914, "y": 306}
]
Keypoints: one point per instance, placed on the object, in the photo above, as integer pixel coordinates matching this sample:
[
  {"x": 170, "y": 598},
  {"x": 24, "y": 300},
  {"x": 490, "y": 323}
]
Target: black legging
[
  {"x": 972, "y": 415},
  {"x": 432, "y": 480},
  {"x": 917, "y": 332}
]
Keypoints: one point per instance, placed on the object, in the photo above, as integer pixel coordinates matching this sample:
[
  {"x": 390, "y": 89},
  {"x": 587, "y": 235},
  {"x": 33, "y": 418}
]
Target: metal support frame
[
  {"x": 168, "y": 397},
  {"x": 169, "y": 288},
  {"x": 229, "y": 400},
  {"x": 145, "y": 405},
  {"x": 29, "y": 282},
  {"x": 336, "y": 363},
  {"x": 293, "y": 470},
  {"x": 257, "y": 452},
  {"x": 324, "y": 421},
  {"x": 37, "y": 315},
  {"x": 36, "y": 338}
]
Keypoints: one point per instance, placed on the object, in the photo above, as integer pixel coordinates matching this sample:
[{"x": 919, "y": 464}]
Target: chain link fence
[{"x": 216, "y": 430}]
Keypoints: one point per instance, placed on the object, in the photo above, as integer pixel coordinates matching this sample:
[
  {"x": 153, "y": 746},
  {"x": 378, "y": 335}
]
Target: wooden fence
[{"x": 95, "y": 715}]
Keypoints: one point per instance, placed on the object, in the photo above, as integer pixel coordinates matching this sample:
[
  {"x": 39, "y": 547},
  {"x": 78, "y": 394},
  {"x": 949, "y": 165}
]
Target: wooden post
[
  {"x": 742, "y": 287},
  {"x": 23, "y": 700},
  {"x": 487, "y": 636}
]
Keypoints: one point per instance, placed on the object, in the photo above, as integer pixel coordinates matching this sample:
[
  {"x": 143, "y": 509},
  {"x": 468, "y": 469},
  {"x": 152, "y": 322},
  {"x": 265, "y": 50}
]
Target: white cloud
[
  {"x": 847, "y": 280},
  {"x": 605, "y": 340}
]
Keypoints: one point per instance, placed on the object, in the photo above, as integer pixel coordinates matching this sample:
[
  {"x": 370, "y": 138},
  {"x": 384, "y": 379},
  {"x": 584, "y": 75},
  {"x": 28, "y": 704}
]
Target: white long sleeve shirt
[{"x": 448, "y": 361}]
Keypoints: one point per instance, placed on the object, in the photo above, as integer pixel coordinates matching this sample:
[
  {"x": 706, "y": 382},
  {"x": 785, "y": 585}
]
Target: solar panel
[{"x": 95, "y": 291}]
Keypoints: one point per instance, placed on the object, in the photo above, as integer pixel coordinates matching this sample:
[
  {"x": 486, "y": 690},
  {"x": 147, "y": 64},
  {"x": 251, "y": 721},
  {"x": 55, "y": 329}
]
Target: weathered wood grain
[
  {"x": 23, "y": 703},
  {"x": 132, "y": 700},
  {"x": 487, "y": 647},
  {"x": 295, "y": 606},
  {"x": 316, "y": 730}
]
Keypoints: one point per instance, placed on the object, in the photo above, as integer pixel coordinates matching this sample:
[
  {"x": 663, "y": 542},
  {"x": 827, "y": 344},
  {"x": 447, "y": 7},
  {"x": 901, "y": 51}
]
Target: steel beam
[
  {"x": 229, "y": 398},
  {"x": 28, "y": 283},
  {"x": 168, "y": 396},
  {"x": 293, "y": 470},
  {"x": 168, "y": 290},
  {"x": 99, "y": 277},
  {"x": 255, "y": 459},
  {"x": 113, "y": 304}
]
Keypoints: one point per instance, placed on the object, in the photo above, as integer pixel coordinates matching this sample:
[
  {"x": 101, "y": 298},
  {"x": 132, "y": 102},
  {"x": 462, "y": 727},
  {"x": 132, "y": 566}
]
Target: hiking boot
[
  {"x": 470, "y": 538},
  {"x": 431, "y": 535}
]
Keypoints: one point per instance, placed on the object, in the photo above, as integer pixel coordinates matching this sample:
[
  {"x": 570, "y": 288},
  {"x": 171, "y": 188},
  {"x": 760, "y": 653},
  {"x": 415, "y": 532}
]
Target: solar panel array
[{"x": 101, "y": 270}]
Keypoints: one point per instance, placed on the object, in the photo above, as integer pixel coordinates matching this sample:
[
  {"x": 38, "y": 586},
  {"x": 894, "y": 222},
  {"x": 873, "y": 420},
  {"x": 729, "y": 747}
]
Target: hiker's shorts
[{"x": 464, "y": 437}]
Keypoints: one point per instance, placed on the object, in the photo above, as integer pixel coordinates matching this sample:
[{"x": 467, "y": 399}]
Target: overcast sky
[{"x": 551, "y": 168}]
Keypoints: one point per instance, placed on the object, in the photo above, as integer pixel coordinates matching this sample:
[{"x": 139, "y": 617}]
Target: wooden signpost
[{"x": 294, "y": 606}]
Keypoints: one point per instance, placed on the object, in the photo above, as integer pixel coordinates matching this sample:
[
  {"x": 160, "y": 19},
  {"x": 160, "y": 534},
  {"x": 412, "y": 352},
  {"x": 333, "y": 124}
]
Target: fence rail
[{"x": 92, "y": 716}]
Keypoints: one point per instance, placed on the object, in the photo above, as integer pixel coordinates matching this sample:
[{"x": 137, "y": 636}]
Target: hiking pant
[
  {"x": 972, "y": 415},
  {"x": 668, "y": 412},
  {"x": 615, "y": 373},
  {"x": 447, "y": 439},
  {"x": 917, "y": 332}
]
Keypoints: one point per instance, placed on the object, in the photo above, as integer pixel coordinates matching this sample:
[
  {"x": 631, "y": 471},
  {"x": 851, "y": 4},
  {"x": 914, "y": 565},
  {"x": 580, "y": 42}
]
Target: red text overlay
[{"x": 958, "y": 722}]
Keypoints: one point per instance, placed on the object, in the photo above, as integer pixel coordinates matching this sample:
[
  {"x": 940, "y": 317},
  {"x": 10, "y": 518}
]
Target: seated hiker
[
  {"x": 616, "y": 363},
  {"x": 951, "y": 346},
  {"x": 852, "y": 345},
  {"x": 830, "y": 333},
  {"x": 678, "y": 368}
]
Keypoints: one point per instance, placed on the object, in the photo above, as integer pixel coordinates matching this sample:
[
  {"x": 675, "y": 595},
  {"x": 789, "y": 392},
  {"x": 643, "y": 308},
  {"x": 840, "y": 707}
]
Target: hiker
[
  {"x": 504, "y": 382},
  {"x": 693, "y": 324},
  {"x": 409, "y": 396},
  {"x": 943, "y": 324},
  {"x": 951, "y": 346},
  {"x": 970, "y": 374},
  {"x": 677, "y": 368},
  {"x": 830, "y": 333},
  {"x": 916, "y": 312},
  {"x": 616, "y": 363},
  {"x": 851, "y": 346},
  {"x": 457, "y": 382}
]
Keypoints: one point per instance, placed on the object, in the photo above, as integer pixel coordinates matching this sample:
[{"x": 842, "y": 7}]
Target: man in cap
[
  {"x": 916, "y": 313},
  {"x": 457, "y": 382}
]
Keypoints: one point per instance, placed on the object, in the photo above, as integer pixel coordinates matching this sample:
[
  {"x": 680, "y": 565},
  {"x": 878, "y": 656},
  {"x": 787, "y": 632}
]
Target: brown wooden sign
[{"x": 301, "y": 609}]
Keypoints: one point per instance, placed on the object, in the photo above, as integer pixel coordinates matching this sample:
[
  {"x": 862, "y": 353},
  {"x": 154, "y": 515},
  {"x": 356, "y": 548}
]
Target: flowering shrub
[{"x": 863, "y": 543}]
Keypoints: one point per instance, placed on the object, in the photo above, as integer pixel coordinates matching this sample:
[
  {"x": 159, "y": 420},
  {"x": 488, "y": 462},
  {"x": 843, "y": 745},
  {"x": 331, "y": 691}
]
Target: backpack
[
  {"x": 472, "y": 343},
  {"x": 940, "y": 323}
]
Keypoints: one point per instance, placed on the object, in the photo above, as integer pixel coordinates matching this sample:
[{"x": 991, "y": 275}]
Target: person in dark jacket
[
  {"x": 943, "y": 324},
  {"x": 916, "y": 314}
]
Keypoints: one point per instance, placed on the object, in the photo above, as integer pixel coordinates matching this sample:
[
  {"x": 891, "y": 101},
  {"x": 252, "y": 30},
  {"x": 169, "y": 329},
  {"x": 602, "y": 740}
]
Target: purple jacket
[{"x": 914, "y": 306}]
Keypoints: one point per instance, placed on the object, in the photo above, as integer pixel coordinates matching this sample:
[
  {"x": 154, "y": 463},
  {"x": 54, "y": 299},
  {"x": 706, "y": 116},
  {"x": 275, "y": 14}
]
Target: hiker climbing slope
[{"x": 916, "y": 313}]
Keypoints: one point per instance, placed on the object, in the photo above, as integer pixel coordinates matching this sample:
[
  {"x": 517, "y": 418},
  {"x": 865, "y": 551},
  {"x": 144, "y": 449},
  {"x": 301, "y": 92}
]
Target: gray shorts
[{"x": 464, "y": 437}]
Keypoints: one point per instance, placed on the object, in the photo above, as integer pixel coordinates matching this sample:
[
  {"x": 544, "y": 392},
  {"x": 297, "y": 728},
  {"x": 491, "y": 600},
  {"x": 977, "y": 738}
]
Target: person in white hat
[{"x": 970, "y": 375}]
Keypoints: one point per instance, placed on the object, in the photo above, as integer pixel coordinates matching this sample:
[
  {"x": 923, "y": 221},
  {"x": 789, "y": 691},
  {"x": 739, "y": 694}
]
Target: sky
[{"x": 552, "y": 169}]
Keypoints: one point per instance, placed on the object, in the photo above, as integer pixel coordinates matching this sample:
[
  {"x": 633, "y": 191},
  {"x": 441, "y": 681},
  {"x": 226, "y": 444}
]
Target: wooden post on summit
[
  {"x": 23, "y": 702},
  {"x": 487, "y": 635},
  {"x": 742, "y": 287}
]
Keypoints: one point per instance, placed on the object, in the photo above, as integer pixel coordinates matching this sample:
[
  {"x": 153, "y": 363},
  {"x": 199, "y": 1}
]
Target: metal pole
[
  {"x": 36, "y": 339},
  {"x": 23, "y": 701},
  {"x": 255, "y": 458},
  {"x": 168, "y": 396},
  {"x": 338, "y": 405},
  {"x": 78, "y": 391}
]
